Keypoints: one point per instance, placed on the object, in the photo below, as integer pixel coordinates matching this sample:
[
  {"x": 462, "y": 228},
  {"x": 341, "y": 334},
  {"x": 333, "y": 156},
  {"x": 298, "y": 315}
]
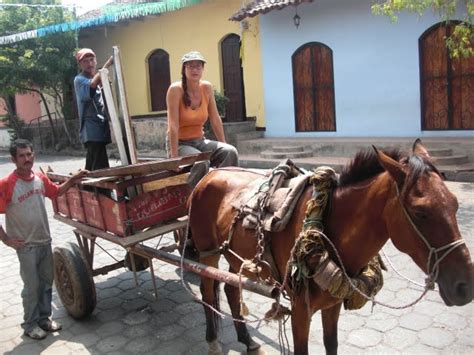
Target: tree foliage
[
  {"x": 461, "y": 41},
  {"x": 43, "y": 65}
]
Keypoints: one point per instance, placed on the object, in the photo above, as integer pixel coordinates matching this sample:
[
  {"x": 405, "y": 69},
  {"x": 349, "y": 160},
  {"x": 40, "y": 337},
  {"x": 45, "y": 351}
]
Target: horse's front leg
[
  {"x": 300, "y": 324},
  {"x": 243, "y": 335},
  {"x": 330, "y": 317},
  {"x": 210, "y": 296}
]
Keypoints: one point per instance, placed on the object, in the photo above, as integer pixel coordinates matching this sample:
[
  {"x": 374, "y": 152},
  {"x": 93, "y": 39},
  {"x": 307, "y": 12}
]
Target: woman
[{"x": 191, "y": 103}]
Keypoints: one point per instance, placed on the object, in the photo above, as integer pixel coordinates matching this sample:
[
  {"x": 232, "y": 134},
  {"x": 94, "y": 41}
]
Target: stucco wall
[
  {"x": 376, "y": 68},
  {"x": 200, "y": 27}
]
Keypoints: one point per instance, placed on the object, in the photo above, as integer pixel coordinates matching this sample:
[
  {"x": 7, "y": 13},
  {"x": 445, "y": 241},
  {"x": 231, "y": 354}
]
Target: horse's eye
[{"x": 420, "y": 215}]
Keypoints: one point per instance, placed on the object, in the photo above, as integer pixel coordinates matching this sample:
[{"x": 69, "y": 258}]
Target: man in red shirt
[{"x": 22, "y": 200}]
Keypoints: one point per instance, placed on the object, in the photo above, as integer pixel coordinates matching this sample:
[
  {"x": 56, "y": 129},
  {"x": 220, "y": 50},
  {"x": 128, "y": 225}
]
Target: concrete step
[
  {"x": 256, "y": 161},
  {"x": 459, "y": 173},
  {"x": 247, "y": 136},
  {"x": 440, "y": 152},
  {"x": 337, "y": 147},
  {"x": 288, "y": 148},
  {"x": 270, "y": 154},
  {"x": 451, "y": 160}
]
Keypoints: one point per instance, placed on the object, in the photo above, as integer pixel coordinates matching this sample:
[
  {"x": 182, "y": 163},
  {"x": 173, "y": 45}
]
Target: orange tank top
[{"x": 191, "y": 122}]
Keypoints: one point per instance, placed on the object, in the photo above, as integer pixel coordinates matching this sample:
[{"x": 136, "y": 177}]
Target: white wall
[
  {"x": 4, "y": 138},
  {"x": 376, "y": 68}
]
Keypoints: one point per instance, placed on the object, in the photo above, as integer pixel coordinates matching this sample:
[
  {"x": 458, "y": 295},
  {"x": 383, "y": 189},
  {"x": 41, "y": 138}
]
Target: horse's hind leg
[
  {"x": 243, "y": 335},
  {"x": 330, "y": 317},
  {"x": 210, "y": 296}
]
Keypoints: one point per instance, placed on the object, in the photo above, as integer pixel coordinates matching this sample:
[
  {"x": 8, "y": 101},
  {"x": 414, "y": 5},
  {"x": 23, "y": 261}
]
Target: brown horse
[{"x": 380, "y": 196}]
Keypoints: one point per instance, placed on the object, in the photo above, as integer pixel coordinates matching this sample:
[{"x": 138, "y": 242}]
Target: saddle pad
[{"x": 278, "y": 207}]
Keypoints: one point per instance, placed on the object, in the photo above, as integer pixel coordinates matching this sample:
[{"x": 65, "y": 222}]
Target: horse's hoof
[
  {"x": 215, "y": 348},
  {"x": 252, "y": 347}
]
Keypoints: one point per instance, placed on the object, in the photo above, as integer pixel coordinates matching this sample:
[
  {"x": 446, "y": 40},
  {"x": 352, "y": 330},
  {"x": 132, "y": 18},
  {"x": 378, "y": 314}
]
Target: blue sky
[{"x": 83, "y": 6}]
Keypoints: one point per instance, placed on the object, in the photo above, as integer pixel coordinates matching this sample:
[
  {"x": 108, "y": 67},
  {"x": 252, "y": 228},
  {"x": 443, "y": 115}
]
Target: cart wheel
[
  {"x": 190, "y": 251},
  {"x": 74, "y": 282}
]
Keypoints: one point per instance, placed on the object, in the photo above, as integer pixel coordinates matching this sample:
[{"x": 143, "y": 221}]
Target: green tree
[
  {"x": 43, "y": 65},
  {"x": 460, "y": 43}
]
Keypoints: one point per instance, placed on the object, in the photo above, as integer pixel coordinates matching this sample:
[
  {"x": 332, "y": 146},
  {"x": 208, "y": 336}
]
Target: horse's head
[{"x": 421, "y": 221}]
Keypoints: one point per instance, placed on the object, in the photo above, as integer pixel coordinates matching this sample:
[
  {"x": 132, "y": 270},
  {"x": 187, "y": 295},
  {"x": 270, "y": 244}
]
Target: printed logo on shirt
[{"x": 30, "y": 193}]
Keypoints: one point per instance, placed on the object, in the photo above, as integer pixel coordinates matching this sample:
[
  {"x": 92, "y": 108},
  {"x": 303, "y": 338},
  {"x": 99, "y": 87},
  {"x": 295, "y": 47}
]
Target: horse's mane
[{"x": 366, "y": 165}]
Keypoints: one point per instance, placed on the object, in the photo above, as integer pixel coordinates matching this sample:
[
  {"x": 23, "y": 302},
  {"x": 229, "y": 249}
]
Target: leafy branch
[{"x": 460, "y": 43}]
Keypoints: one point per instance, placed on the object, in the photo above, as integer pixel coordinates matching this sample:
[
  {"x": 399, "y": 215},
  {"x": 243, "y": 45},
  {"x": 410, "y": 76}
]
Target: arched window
[
  {"x": 160, "y": 80},
  {"x": 313, "y": 88},
  {"x": 447, "y": 85}
]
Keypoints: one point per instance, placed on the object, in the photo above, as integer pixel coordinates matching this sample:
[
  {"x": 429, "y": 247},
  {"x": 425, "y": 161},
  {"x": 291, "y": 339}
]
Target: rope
[
  {"x": 369, "y": 298},
  {"x": 398, "y": 273}
]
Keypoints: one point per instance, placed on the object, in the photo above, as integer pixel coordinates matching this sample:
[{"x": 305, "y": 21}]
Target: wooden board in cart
[
  {"x": 126, "y": 216},
  {"x": 164, "y": 198}
]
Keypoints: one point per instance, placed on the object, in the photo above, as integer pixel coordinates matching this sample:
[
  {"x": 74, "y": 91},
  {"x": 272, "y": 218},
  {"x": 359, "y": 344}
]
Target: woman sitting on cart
[{"x": 191, "y": 103}]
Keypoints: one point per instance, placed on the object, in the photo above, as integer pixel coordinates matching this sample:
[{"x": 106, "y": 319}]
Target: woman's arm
[
  {"x": 173, "y": 96},
  {"x": 214, "y": 118}
]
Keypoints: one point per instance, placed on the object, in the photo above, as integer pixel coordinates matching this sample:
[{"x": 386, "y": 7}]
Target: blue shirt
[{"x": 94, "y": 123}]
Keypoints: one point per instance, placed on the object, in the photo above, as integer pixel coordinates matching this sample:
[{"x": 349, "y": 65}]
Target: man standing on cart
[
  {"x": 94, "y": 129},
  {"x": 22, "y": 200}
]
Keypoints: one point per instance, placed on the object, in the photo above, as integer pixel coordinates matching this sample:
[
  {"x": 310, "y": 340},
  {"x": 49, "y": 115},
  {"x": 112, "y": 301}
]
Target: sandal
[
  {"x": 51, "y": 326},
  {"x": 36, "y": 333}
]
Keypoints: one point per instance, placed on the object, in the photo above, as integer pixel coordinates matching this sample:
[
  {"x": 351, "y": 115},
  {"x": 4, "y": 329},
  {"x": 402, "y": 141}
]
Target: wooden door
[
  {"x": 233, "y": 78},
  {"x": 447, "y": 85},
  {"x": 313, "y": 88},
  {"x": 159, "y": 76}
]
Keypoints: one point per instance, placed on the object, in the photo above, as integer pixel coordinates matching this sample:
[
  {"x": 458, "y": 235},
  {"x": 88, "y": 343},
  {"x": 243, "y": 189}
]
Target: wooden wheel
[
  {"x": 74, "y": 282},
  {"x": 190, "y": 251}
]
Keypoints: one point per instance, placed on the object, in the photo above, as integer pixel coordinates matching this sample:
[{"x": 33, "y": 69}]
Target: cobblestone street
[{"x": 129, "y": 320}]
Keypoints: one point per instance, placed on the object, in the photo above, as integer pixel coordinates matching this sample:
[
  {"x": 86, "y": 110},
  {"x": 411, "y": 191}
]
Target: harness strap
[{"x": 432, "y": 270}]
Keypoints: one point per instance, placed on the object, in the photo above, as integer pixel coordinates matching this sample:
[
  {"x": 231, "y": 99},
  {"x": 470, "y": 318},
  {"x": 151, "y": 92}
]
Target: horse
[{"x": 381, "y": 195}]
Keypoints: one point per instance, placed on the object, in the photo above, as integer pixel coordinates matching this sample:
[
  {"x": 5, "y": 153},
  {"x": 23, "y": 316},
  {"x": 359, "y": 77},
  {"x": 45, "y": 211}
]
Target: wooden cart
[{"x": 127, "y": 206}]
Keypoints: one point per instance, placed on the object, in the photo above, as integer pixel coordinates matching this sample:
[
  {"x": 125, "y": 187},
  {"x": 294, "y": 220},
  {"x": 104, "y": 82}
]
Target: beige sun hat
[{"x": 194, "y": 55}]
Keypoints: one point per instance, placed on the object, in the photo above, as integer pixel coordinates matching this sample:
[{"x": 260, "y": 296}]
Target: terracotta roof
[{"x": 257, "y": 7}]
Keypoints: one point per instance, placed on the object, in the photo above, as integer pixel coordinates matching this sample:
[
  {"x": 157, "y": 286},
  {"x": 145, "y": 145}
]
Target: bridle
[{"x": 432, "y": 268}]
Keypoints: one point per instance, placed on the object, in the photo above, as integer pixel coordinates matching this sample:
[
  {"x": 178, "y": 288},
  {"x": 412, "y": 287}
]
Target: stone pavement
[{"x": 128, "y": 320}]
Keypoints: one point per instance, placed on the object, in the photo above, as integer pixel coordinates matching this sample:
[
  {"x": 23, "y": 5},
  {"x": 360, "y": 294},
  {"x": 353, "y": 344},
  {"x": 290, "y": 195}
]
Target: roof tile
[{"x": 257, "y": 7}]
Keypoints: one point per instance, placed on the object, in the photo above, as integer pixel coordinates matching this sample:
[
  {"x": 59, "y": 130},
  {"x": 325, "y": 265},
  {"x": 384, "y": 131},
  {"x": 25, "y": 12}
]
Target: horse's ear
[
  {"x": 419, "y": 149},
  {"x": 393, "y": 167}
]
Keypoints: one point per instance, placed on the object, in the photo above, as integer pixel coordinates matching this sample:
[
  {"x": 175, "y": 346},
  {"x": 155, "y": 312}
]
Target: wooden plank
[
  {"x": 126, "y": 241},
  {"x": 138, "y": 180},
  {"x": 162, "y": 183},
  {"x": 122, "y": 96},
  {"x": 151, "y": 167},
  {"x": 107, "y": 182},
  {"x": 151, "y": 233},
  {"x": 88, "y": 229},
  {"x": 114, "y": 119}
]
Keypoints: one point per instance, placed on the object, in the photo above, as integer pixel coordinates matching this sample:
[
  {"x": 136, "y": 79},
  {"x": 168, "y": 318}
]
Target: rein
[{"x": 432, "y": 269}]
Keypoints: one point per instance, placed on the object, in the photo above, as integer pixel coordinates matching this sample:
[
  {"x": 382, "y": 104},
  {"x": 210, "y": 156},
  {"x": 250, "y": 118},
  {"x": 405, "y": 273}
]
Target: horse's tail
[{"x": 194, "y": 189}]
